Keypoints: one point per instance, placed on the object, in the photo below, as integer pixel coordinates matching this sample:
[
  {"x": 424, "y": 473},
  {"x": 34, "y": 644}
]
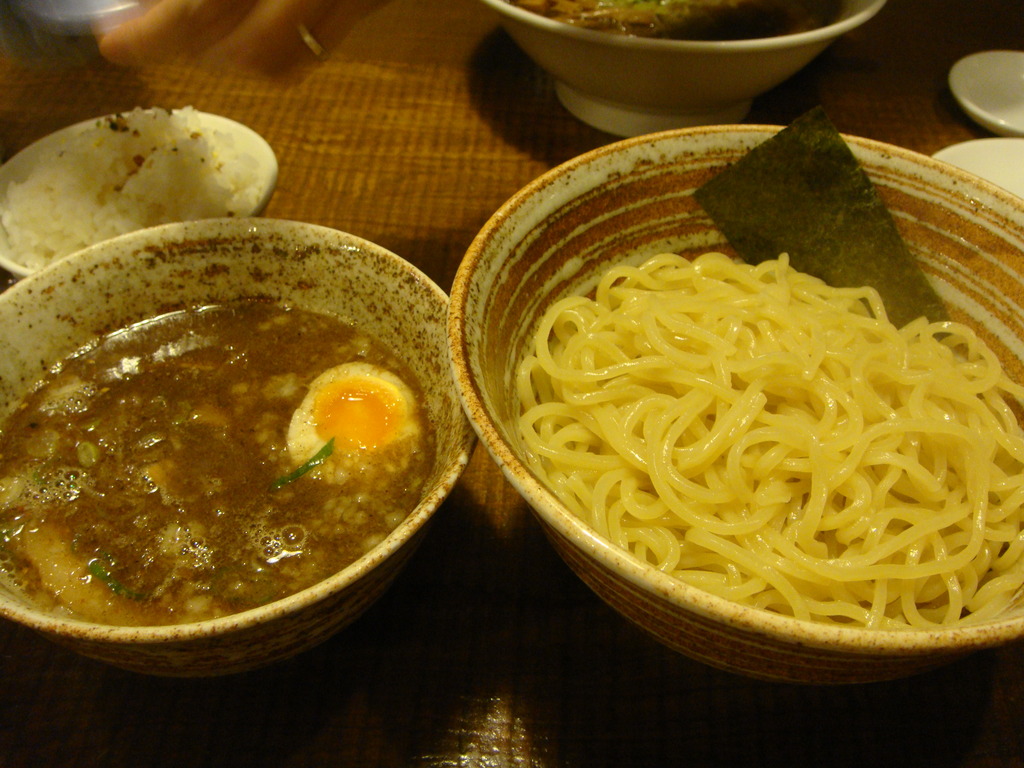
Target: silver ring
[{"x": 312, "y": 43}]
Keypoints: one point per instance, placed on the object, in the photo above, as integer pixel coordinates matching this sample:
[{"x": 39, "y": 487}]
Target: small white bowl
[
  {"x": 989, "y": 86},
  {"x": 243, "y": 142},
  {"x": 629, "y": 86}
]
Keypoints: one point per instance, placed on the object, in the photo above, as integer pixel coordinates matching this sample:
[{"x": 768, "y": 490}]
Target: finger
[
  {"x": 269, "y": 40},
  {"x": 173, "y": 29}
]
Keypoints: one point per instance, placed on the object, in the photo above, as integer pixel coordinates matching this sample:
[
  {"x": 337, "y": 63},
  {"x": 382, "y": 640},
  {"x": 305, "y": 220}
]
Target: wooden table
[{"x": 488, "y": 651}]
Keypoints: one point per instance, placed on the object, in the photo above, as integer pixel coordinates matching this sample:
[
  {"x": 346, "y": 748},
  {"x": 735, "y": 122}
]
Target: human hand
[{"x": 269, "y": 37}]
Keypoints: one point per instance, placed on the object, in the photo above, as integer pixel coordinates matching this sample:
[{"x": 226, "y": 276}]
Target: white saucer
[
  {"x": 990, "y": 88},
  {"x": 245, "y": 142},
  {"x": 1000, "y": 161}
]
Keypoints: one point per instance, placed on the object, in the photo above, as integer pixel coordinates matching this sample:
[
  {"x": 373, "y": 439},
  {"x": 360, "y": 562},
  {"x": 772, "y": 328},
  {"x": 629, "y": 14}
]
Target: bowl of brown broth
[
  {"x": 221, "y": 441},
  {"x": 630, "y": 68}
]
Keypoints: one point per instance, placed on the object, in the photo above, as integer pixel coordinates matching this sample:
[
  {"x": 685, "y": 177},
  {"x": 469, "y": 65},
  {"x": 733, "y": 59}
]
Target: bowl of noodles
[
  {"x": 760, "y": 470},
  {"x": 630, "y": 67},
  {"x": 221, "y": 441}
]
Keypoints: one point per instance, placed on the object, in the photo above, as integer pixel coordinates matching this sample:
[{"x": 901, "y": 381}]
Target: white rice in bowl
[{"x": 128, "y": 171}]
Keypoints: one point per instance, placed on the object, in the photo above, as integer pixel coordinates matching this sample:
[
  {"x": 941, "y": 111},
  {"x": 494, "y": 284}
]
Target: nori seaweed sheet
[{"x": 803, "y": 192}]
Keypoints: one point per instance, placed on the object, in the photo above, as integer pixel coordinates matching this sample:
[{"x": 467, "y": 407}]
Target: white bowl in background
[{"x": 629, "y": 86}]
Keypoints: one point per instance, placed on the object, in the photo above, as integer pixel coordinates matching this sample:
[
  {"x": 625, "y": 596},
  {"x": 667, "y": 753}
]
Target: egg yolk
[{"x": 359, "y": 412}]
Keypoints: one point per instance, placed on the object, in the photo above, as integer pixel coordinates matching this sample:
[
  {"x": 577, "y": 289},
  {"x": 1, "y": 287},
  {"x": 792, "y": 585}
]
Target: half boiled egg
[{"x": 366, "y": 410}]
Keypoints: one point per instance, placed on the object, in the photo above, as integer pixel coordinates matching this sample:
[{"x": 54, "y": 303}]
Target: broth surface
[
  {"x": 690, "y": 19},
  {"x": 149, "y": 480}
]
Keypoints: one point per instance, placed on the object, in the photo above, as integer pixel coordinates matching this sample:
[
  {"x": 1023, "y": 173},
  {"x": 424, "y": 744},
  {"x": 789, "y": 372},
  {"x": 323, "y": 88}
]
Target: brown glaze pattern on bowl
[
  {"x": 56, "y": 311},
  {"x": 626, "y": 202}
]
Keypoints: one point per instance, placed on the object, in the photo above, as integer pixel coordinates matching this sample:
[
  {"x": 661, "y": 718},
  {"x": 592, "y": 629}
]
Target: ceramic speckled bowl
[
  {"x": 57, "y": 310},
  {"x": 633, "y": 85},
  {"x": 626, "y": 202}
]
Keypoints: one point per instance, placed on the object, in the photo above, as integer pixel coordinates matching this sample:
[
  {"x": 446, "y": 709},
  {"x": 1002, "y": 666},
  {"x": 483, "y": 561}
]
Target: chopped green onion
[
  {"x": 318, "y": 458},
  {"x": 99, "y": 570}
]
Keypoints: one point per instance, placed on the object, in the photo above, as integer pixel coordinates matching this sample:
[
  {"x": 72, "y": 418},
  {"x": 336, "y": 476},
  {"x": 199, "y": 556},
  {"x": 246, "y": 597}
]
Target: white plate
[
  {"x": 990, "y": 88},
  {"x": 1000, "y": 161},
  {"x": 244, "y": 141}
]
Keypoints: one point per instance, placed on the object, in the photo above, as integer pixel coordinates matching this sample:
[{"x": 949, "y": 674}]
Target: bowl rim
[
  {"x": 647, "y": 578},
  {"x": 417, "y": 519},
  {"x": 864, "y": 10}
]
